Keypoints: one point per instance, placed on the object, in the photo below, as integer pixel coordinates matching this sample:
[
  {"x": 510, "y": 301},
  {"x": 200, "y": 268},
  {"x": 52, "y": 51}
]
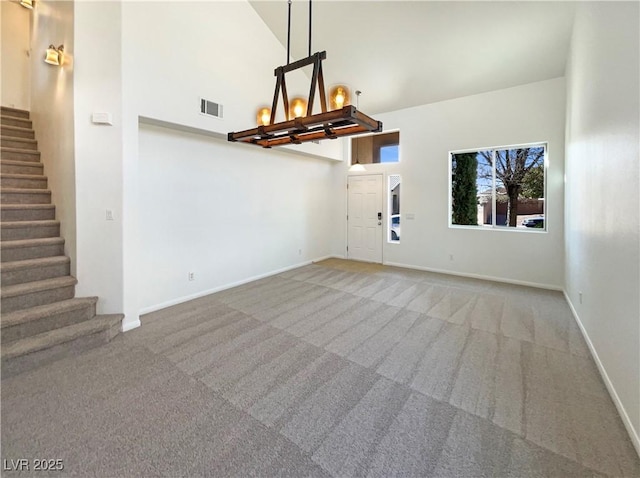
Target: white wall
[
  {"x": 602, "y": 211},
  {"x": 524, "y": 114},
  {"x": 224, "y": 52},
  {"x": 98, "y": 151},
  {"x": 16, "y": 69},
  {"x": 52, "y": 111},
  {"x": 221, "y": 51},
  {"x": 224, "y": 212}
]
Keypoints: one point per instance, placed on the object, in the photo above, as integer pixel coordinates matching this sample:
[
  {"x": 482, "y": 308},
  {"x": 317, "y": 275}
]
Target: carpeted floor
[{"x": 334, "y": 369}]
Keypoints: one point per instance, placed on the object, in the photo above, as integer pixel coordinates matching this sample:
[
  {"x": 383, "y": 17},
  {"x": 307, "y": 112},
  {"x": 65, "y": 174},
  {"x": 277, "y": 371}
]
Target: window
[
  {"x": 376, "y": 148},
  {"x": 501, "y": 187},
  {"x": 394, "y": 208},
  {"x": 389, "y": 154}
]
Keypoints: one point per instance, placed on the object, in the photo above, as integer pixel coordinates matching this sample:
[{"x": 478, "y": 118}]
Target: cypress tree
[{"x": 463, "y": 189}]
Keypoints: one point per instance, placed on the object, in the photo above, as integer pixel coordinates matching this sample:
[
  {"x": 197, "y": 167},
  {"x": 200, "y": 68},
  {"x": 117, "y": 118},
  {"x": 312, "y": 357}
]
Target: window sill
[{"x": 500, "y": 228}]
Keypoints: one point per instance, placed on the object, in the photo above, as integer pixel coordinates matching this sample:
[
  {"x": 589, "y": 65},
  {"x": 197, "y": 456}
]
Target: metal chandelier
[{"x": 328, "y": 124}]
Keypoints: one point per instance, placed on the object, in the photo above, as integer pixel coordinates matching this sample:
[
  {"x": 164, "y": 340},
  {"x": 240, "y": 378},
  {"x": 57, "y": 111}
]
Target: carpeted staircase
[{"x": 41, "y": 319}]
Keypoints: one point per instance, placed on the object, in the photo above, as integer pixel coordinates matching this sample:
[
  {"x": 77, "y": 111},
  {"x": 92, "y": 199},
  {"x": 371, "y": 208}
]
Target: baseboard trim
[
  {"x": 324, "y": 258},
  {"x": 128, "y": 325},
  {"x": 476, "y": 276},
  {"x": 203, "y": 293},
  {"x": 633, "y": 433}
]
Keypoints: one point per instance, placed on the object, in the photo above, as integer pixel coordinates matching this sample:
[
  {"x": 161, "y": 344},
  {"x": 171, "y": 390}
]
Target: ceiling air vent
[{"x": 210, "y": 108}]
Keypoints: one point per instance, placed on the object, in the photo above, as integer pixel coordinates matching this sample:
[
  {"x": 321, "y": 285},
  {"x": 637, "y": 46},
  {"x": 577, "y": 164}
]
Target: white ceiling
[{"x": 407, "y": 53}]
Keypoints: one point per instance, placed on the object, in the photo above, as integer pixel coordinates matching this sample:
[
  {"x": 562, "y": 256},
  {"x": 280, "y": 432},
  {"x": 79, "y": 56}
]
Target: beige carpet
[{"x": 334, "y": 369}]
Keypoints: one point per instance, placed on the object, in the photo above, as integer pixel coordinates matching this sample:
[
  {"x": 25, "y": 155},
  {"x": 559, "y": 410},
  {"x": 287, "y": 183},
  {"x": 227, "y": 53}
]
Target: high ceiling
[{"x": 407, "y": 53}]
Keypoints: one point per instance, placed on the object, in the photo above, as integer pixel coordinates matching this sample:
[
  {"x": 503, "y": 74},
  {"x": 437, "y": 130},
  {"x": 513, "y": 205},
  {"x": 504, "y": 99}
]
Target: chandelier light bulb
[
  {"x": 339, "y": 97},
  {"x": 298, "y": 108},
  {"x": 264, "y": 116}
]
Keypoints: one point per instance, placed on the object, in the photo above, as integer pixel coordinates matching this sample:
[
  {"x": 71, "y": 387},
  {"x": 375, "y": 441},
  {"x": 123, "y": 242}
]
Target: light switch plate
[{"x": 409, "y": 216}]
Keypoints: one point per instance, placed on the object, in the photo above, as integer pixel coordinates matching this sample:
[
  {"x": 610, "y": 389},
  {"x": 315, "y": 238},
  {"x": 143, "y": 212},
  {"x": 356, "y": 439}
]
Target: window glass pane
[
  {"x": 389, "y": 154},
  {"x": 520, "y": 187},
  {"x": 471, "y": 186},
  {"x": 394, "y": 208}
]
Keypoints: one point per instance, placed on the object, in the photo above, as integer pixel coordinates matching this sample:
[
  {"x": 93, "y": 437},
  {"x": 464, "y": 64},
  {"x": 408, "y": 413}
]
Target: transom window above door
[{"x": 376, "y": 148}]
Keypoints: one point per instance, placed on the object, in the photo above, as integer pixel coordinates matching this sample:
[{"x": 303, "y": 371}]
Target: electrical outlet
[
  {"x": 192, "y": 276},
  {"x": 450, "y": 257},
  {"x": 109, "y": 215},
  {"x": 299, "y": 252}
]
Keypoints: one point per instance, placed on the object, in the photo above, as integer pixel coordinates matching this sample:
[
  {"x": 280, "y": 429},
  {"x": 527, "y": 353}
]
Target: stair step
[
  {"x": 23, "y": 181},
  {"x": 36, "y": 320},
  {"x": 16, "y": 131},
  {"x": 31, "y": 249},
  {"x": 30, "y": 352},
  {"x": 15, "y": 121},
  {"x": 27, "y": 212},
  {"x": 21, "y": 167},
  {"x": 30, "y": 270},
  {"x": 20, "y": 143},
  {"x": 8, "y": 111},
  {"x": 25, "y": 196},
  {"x": 31, "y": 294},
  {"x": 17, "y": 230},
  {"x": 17, "y": 154}
]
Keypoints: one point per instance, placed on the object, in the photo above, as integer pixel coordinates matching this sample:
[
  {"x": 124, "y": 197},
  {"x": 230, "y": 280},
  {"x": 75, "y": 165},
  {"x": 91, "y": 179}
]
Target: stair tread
[
  {"x": 20, "y": 163},
  {"x": 21, "y": 224},
  {"x": 59, "y": 336},
  {"x": 15, "y": 162},
  {"x": 19, "y": 150},
  {"x": 27, "y": 206},
  {"x": 18, "y": 138},
  {"x": 22, "y": 176},
  {"x": 26, "y": 191},
  {"x": 11, "y": 319},
  {"x": 16, "y": 128},
  {"x": 40, "y": 241},
  {"x": 37, "y": 286},
  {"x": 31, "y": 263},
  {"x": 12, "y": 109}
]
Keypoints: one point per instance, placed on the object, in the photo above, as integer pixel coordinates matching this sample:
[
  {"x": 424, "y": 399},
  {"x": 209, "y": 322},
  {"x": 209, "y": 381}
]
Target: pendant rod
[
  {"x": 309, "y": 27},
  {"x": 289, "y": 33}
]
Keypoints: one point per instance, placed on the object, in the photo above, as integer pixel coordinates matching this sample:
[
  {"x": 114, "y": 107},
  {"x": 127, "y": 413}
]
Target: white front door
[{"x": 364, "y": 218}]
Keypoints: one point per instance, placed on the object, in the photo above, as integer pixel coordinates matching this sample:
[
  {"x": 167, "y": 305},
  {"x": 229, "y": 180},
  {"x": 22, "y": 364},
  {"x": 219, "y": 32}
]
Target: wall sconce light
[
  {"x": 339, "y": 97},
  {"x": 54, "y": 55},
  {"x": 27, "y": 4},
  {"x": 263, "y": 118}
]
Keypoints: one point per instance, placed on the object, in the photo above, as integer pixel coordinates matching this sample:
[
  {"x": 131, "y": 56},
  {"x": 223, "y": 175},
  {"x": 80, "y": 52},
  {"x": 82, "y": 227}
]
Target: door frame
[{"x": 384, "y": 214}]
